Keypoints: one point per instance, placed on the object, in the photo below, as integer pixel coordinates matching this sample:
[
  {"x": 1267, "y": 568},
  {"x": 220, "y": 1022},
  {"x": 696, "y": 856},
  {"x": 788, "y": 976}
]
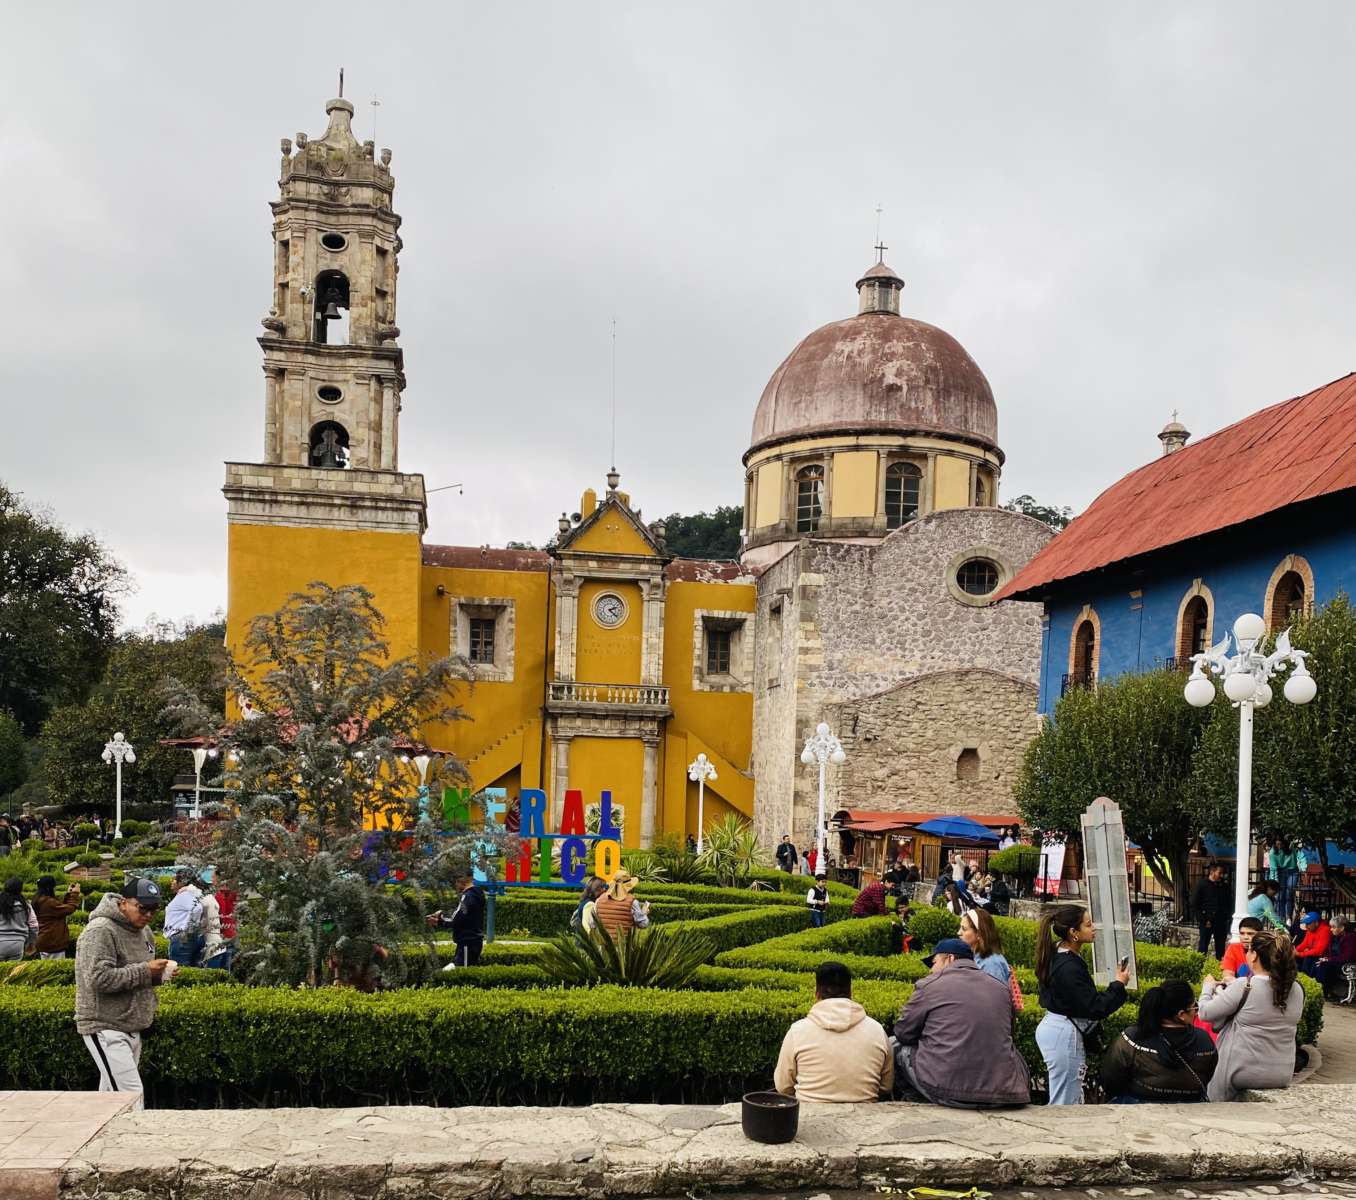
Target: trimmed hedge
[{"x": 60, "y": 972}]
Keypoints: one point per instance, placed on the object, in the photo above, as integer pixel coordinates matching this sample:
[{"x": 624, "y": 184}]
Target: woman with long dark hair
[
  {"x": 1164, "y": 1058},
  {"x": 1256, "y": 1018},
  {"x": 54, "y": 934},
  {"x": 18, "y": 925},
  {"x": 1261, "y": 903},
  {"x": 1073, "y": 1005}
]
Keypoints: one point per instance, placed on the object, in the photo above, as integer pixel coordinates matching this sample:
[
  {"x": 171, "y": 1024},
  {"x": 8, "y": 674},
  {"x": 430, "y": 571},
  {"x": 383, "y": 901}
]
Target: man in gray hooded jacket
[{"x": 115, "y": 980}]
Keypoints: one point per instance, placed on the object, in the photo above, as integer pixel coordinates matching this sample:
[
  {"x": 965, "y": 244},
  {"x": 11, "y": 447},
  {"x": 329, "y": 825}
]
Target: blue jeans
[
  {"x": 1061, "y": 1045},
  {"x": 185, "y": 949},
  {"x": 816, "y": 918}
]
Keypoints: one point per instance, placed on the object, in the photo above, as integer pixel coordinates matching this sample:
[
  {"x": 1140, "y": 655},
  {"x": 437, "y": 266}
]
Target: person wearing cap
[
  {"x": 183, "y": 919},
  {"x": 467, "y": 922},
  {"x": 617, "y": 910},
  {"x": 836, "y": 1054},
  {"x": 54, "y": 934},
  {"x": 116, "y": 974},
  {"x": 1315, "y": 942},
  {"x": 817, "y": 900},
  {"x": 954, "y": 1036}
]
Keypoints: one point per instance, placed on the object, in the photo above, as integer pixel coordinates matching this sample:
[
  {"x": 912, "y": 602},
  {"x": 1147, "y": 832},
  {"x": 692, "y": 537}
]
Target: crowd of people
[
  {"x": 953, "y": 1041},
  {"x": 54, "y": 835}
]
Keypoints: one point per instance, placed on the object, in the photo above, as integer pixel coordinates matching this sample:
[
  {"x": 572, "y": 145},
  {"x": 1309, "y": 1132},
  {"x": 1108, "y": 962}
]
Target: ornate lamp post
[
  {"x": 1246, "y": 676},
  {"x": 699, "y": 770},
  {"x": 117, "y": 752},
  {"x": 822, "y": 747}
]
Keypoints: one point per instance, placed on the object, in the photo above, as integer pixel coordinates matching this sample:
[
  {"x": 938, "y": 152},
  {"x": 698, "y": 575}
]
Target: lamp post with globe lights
[
  {"x": 1246, "y": 675},
  {"x": 823, "y": 748},
  {"x": 117, "y": 752},
  {"x": 699, "y": 770}
]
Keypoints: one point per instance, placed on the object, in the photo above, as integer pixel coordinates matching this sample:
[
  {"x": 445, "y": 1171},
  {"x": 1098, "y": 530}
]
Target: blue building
[{"x": 1259, "y": 517}]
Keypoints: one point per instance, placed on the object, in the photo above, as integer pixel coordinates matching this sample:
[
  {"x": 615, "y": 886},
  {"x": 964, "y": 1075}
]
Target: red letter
[{"x": 572, "y": 820}]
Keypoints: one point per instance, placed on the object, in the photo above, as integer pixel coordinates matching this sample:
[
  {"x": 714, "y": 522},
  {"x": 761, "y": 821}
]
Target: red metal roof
[
  {"x": 1297, "y": 450},
  {"x": 485, "y": 558}
]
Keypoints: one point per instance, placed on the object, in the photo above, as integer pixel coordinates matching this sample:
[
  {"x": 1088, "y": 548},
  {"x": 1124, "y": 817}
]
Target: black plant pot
[{"x": 770, "y": 1117}]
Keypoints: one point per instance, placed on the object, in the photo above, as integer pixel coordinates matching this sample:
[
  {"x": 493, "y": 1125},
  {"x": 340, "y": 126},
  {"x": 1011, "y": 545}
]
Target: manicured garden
[{"x": 506, "y": 1032}]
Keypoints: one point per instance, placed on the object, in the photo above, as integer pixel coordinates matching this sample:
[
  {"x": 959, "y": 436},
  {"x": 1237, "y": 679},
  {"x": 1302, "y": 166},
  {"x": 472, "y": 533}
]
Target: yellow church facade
[{"x": 605, "y": 664}]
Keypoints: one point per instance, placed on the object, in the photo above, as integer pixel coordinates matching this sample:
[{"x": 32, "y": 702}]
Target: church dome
[{"x": 877, "y": 372}]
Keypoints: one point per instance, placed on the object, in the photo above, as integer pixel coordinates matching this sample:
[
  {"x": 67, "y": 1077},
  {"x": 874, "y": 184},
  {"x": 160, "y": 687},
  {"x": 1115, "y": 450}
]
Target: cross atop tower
[{"x": 880, "y": 249}]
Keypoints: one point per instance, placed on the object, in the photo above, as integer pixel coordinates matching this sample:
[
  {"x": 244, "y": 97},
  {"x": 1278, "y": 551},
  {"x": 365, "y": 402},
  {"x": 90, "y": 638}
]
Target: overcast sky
[{"x": 1118, "y": 211}]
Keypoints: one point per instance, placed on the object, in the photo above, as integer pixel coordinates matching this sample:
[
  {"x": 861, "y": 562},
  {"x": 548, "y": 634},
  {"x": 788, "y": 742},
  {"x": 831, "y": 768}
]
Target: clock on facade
[{"x": 609, "y": 610}]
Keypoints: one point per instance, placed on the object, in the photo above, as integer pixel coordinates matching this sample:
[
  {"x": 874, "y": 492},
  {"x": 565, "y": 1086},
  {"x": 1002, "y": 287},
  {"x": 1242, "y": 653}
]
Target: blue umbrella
[{"x": 958, "y": 827}]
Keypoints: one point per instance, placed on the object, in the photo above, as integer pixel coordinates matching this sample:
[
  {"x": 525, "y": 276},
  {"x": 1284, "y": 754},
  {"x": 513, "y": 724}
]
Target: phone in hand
[{"x": 1125, "y": 962}]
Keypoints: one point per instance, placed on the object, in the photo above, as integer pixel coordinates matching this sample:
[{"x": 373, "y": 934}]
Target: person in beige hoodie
[{"x": 837, "y": 1054}]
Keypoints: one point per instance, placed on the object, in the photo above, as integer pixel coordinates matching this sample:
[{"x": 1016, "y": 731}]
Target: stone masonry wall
[
  {"x": 887, "y": 611},
  {"x": 904, "y": 745},
  {"x": 774, "y": 706}
]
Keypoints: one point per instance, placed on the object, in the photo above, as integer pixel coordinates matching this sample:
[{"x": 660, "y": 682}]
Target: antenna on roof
[
  {"x": 880, "y": 250},
  {"x": 614, "y": 393},
  {"x": 341, "y": 83},
  {"x": 376, "y": 104}
]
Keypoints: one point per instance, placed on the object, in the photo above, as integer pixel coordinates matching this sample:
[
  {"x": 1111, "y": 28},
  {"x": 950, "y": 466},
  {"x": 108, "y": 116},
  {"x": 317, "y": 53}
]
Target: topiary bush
[
  {"x": 89, "y": 860},
  {"x": 85, "y": 831}
]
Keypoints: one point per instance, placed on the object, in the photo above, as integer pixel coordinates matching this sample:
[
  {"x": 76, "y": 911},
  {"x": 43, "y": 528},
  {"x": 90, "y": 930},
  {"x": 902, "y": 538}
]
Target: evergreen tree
[
  {"x": 1304, "y": 755},
  {"x": 13, "y": 753},
  {"x": 713, "y": 535},
  {"x": 329, "y": 818},
  {"x": 1132, "y": 740},
  {"x": 1056, "y": 518}
]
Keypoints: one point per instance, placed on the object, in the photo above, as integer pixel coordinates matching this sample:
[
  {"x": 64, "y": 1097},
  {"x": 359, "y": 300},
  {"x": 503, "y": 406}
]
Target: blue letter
[
  {"x": 572, "y": 871},
  {"x": 532, "y": 813},
  {"x": 606, "y": 829}
]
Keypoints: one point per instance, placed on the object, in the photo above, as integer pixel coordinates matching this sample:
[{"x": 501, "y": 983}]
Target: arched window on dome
[
  {"x": 981, "y": 491},
  {"x": 903, "y": 482},
  {"x": 1287, "y": 601},
  {"x": 809, "y": 498}
]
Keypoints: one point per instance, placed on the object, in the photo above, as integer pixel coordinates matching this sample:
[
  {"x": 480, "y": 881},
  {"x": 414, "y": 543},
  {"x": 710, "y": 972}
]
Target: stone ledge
[{"x": 635, "y": 1150}]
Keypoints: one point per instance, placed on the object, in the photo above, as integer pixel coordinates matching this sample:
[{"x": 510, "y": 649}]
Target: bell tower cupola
[{"x": 333, "y": 369}]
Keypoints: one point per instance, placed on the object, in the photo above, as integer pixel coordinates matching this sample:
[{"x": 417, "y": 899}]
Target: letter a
[{"x": 572, "y": 820}]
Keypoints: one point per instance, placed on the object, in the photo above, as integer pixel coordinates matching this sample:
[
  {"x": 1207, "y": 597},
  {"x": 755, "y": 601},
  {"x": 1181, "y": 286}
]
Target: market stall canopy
[
  {"x": 958, "y": 827},
  {"x": 862, "y": 820}
]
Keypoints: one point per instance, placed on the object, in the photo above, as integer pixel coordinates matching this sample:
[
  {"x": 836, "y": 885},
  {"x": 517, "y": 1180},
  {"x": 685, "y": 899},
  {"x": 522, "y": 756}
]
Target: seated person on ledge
[
  {"x": 837, "y": 1054},
  {"x": 1234, "y": 964},
  {"x": 1163, "y": 1058},
  {"x": 954, "y": 1037}
]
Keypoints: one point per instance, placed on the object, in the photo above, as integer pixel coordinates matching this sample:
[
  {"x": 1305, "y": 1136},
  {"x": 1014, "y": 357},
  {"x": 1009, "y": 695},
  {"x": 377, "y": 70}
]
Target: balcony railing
[
  {"x": 612, "y": 695},
  {"x": 1077, "y": 679}
]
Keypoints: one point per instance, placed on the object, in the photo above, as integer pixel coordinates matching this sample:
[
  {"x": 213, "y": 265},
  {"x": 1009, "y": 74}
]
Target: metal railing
[
  {"x": 1077, "y": 679},
  {"x": 619, "y": 695}
]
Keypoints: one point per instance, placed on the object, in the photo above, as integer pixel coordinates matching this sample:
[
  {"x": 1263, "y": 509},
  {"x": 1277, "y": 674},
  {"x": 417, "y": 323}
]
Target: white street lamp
[
  {"x": 699, "y": 770},
  {"x": 117, "y": 752},
  {"x": 199, "y": 758},
  {"x": 1246, "y": 675},
  {"x": 421, "y": 764},
  {"x": 822, "y": 747}
]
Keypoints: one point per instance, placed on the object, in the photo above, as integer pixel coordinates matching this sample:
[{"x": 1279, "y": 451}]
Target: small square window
[
  {"x": 482, "y": 640},
  {"x": 718, "y": 651}
]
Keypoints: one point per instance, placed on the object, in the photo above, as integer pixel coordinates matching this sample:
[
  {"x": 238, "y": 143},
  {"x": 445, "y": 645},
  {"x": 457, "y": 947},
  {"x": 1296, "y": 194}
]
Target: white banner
[{"x": 1051, "y": 869}]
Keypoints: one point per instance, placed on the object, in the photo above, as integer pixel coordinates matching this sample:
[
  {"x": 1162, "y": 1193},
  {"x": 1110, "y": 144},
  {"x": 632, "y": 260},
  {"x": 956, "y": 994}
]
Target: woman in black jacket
[
  {"x": 1163, "y": 1058},
  {"x": 1073, "y": 1005}
]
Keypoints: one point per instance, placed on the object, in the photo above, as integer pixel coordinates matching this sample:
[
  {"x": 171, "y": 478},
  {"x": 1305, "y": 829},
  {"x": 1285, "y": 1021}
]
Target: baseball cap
[
  {"x": 1309, "y": 918},
  {"x": 949, "y": 946},
  {"x": 143, "y": 891}
]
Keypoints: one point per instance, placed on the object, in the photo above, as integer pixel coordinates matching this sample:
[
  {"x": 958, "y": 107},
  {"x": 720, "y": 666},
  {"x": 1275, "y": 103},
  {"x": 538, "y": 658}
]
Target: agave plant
[
  {"x": 731, "y": 852},
  {"x": 654, "y": 957}
]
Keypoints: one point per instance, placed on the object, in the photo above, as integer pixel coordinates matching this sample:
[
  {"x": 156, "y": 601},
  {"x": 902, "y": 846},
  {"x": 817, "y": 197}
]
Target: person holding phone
[{"x": 1073, "y": 1005}]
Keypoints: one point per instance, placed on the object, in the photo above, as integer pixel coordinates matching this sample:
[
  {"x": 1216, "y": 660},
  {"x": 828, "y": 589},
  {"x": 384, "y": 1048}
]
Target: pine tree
[{"x": 332, "y": 850}]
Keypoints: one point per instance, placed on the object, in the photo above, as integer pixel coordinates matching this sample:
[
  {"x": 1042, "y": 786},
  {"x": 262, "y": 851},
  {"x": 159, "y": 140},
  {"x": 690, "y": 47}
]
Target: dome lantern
[{"x": 878, "y": 291}]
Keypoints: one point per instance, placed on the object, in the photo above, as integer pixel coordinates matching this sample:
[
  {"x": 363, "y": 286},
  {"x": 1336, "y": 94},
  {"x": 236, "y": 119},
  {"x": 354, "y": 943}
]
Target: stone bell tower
[
  {"x": 333, "y": 371},
  {"x": 328, "y": 501}
]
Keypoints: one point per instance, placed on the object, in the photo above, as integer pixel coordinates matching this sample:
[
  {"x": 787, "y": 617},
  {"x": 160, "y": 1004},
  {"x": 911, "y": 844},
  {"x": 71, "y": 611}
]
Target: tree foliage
[
  {"x": 58, "y": 611},
  {"x": 329, "y": 811},
  {"x": 730, "y": 852},
  {"x": 130, "y": 697},
  {"x": 14, "y": 754},
  {"x": 1132, "y": 740},
  {"x": 1056, "y": 518},
  {"x": 705, "y": 535},
  {"x": 1304, "y": 756}
]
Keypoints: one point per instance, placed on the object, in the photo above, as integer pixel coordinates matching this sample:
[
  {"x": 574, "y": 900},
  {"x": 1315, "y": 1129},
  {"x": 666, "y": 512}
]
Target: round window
[
  {"x": 977, "y": 577},
  {"x": 330, "y": 394},
  {"x": 333, "y": 241}
]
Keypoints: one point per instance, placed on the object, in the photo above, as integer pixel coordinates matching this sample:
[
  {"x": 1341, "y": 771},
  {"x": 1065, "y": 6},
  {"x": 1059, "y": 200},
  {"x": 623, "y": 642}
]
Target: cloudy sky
[{"x": 1118, "y": 211}]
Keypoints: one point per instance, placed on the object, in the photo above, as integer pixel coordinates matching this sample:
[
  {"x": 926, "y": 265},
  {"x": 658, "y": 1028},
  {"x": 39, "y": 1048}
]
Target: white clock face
[{"x": 609, "y": 610}]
